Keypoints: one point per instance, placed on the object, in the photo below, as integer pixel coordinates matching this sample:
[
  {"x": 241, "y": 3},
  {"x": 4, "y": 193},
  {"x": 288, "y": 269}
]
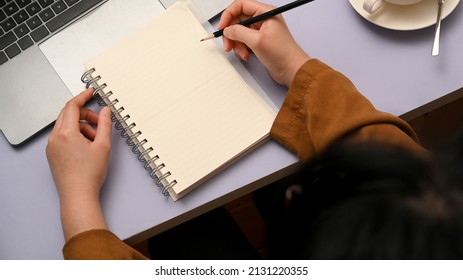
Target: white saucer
[{"x": 409, "y": 17}]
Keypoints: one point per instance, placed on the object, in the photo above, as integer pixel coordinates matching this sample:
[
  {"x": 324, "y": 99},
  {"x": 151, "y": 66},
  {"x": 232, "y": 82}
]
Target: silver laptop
[{"x": 43, "y": 47}]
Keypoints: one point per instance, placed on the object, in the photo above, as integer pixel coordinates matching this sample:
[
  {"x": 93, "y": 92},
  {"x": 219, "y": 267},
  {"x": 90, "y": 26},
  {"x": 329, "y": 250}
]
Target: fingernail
[{"x": 240, "y": 54}]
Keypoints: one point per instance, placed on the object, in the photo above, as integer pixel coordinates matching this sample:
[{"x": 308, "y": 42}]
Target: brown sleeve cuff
[
  {"x": 99, "y": 244},
  {"x": 322, "y": 106},
  {"x": 290, "y": 126}
]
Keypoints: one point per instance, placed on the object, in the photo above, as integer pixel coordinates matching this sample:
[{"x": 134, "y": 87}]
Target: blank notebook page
[{"x": 186, "y": 98}]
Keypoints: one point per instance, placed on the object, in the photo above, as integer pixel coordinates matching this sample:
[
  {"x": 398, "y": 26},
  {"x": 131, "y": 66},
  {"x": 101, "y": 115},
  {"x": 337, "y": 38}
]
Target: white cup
[{"x": 371, "y": 6}]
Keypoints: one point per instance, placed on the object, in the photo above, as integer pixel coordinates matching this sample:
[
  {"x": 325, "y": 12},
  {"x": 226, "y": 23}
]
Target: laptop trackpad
[{"x": 68, "y": 50}]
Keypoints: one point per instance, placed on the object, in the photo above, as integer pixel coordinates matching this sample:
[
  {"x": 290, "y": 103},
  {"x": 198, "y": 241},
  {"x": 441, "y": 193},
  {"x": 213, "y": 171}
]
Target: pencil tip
[{"x": 207, "y": 38}]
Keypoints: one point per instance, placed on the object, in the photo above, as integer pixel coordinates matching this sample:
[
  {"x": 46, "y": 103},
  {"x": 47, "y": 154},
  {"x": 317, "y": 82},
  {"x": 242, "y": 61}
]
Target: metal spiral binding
[
  {"x": 148, "y": 162},
  {"x": 127, "y": 129},
  {"x": 130, "y": 140},
  {"x": 165, "y": 190},
  {"x": 85, "y": 77},
  {"x": 91, "y": 81},
  {"x": 115, "y": 113},
  {"x": 136, "y": 149},
  {"x": 156, "y": 169},
  {"x": 124, "y": 133},
  {"x": 118, "y": 123},
  {"x": 141, "y": 156}
]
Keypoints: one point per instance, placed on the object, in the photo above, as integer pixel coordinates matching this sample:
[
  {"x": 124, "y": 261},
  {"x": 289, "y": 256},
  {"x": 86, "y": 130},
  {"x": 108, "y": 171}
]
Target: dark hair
[{"x": 371, "y": 201}]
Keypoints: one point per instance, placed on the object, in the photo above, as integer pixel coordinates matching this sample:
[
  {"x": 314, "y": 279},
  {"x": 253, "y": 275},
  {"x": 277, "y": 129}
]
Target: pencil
[{"x": 262, "y": 17}]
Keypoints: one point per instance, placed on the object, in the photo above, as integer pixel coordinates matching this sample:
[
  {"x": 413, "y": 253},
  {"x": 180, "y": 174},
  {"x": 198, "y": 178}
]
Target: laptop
[{"x": 43, "y": 47}]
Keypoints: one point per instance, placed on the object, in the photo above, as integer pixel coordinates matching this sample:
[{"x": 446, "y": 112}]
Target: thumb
[
  {"x": 242, "y": 34},
  {"x": 104, "y": 130}
]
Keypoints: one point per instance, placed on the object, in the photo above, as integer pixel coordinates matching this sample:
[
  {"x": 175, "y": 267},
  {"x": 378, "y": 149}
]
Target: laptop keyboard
[{"x": 24, "y": 23}]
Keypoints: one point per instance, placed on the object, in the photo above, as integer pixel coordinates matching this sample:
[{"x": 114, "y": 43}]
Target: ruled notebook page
[{"x": 185, "y": 97}]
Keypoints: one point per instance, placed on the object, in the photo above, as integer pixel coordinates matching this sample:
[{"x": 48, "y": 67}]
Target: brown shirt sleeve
[
  {"x": 322, "y": 105},
  {"x": 99, "y": 244}
]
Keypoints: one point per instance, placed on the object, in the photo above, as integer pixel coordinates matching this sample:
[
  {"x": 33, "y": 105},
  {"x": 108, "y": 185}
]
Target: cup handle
[{"x": 371, "y": 6}]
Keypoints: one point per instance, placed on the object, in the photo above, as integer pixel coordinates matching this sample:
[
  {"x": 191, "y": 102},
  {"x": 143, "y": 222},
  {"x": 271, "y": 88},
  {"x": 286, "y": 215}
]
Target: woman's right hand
[{"x": 270, "y": 40}]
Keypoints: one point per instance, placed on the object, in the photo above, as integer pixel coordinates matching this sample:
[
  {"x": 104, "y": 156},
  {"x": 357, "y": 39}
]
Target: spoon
[{"x": 435, "y": 45}]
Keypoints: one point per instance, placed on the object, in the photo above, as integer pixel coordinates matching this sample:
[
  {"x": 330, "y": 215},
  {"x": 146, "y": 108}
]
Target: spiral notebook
[{"x": 182, "y": 105}]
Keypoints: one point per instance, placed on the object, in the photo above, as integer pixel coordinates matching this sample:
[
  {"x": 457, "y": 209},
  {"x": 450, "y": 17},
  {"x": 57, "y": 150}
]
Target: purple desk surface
[{"x": 394, "y": 69}]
